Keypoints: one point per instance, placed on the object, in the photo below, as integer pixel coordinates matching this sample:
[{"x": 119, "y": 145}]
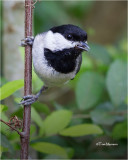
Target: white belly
[
  {"x": 51, "y": 77},
  {"x": 48, "y": 75}
]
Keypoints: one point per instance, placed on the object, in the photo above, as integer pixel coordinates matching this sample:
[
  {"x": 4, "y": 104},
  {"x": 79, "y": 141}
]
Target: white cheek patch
[{"x": 56, "y": 42}]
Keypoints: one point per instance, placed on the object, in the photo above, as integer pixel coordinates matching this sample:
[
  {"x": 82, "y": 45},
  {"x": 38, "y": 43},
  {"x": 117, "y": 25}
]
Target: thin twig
[
  {"x": 33, "y": 5},
  {"x": 13, "y": 128}
]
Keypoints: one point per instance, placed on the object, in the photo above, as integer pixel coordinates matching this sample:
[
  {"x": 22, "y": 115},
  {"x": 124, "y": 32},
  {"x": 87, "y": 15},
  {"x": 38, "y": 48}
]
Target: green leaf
[
  {"x": 104, "y": 114},
  {"x": 3, "y": 108},
  {"x": 32, "y": 132},
  {"x": 36, "y": 117},
  {"x": 18, "y": 113},
  {"x": 4, "y": 117},
  {"x": 1, "y": 150},
  {"x": 70, "y": 152},
  {"x": 89, "y": 90},
  {"x": 10, "y": 87},
  {"x": 117, "y": 82},
  {"x": 41, "y": 108},
  {"x": 120, "y": 130},
  {"x": 3, "y": 127},
  {"x": 6, "y": 143},
  {"x": 37, "y": 83},
  {"x": 32, "y": 129},
  {"x": 100, "y": 53},
  {"x": 81, "y": 130},
  {"x": 13, "y": 136},
  {"x": 17, "y": 100},
  {"x": 57, "y": 121},
  {"x": 50, "y": 148}
]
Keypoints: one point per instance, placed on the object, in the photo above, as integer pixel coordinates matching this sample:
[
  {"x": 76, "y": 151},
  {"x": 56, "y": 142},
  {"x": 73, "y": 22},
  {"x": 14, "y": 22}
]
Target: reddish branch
[
  {"x": 14, "y": 122},
  {"x": 27, "y": 81},
  {"x": 9, "y": 124}
]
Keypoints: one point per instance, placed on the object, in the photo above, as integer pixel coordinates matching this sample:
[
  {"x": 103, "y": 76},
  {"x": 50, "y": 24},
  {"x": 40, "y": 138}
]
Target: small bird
[{"x": 56, "y": 56}]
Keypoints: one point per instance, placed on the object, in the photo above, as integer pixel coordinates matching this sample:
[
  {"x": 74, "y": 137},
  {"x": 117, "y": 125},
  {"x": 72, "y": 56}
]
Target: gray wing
[{"x": 79, "y": 64}]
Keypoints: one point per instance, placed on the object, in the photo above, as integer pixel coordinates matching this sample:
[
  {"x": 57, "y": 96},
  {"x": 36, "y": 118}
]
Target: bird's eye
[{"x": 69, "y": 37}]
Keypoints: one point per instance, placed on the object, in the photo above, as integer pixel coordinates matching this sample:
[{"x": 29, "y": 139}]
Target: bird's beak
[{"x": 83, "y": 46}]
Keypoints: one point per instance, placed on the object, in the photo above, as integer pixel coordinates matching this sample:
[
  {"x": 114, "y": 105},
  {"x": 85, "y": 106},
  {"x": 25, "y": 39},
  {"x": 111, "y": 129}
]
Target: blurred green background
[{"x": 94, "y": 103}]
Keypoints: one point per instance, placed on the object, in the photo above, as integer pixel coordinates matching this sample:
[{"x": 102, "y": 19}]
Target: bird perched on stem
[{"x": 56, "y": 56}]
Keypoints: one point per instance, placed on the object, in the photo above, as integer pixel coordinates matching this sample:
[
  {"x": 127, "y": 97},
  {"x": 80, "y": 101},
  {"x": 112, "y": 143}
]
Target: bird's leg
[
  {"x": 27, "y": 41},
  {"x": 29, "y": 99}
]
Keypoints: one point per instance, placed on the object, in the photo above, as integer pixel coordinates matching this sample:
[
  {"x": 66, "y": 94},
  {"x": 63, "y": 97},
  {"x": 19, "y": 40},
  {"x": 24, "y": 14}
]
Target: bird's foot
[
  {"x": 29, "y": 99},
  {"x": 27, "y": 41}
]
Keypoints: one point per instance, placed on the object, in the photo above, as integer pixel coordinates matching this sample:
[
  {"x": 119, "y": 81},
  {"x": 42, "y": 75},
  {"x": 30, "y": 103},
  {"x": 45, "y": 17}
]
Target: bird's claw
[
  {"x": 29, "y": 99},
  {"x": 27, "y": 41}
]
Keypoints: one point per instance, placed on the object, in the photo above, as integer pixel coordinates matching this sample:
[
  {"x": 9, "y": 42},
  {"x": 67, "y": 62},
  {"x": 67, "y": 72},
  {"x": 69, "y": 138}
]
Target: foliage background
[{"x": 96, "y": 97}]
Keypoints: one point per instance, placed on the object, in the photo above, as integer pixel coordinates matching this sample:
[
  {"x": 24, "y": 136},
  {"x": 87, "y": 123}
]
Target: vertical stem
[{"x": 27, "y": 82}]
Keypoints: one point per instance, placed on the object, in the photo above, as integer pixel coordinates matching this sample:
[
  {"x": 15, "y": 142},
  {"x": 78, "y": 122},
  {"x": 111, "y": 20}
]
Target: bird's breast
[
  {"x": 56, "y": 68},
  {"x": 63, "y": 61}
]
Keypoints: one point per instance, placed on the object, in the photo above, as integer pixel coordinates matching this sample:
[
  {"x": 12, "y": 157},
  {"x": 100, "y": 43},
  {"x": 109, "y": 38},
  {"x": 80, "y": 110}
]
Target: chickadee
[{"x": 56, "y": 56}]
